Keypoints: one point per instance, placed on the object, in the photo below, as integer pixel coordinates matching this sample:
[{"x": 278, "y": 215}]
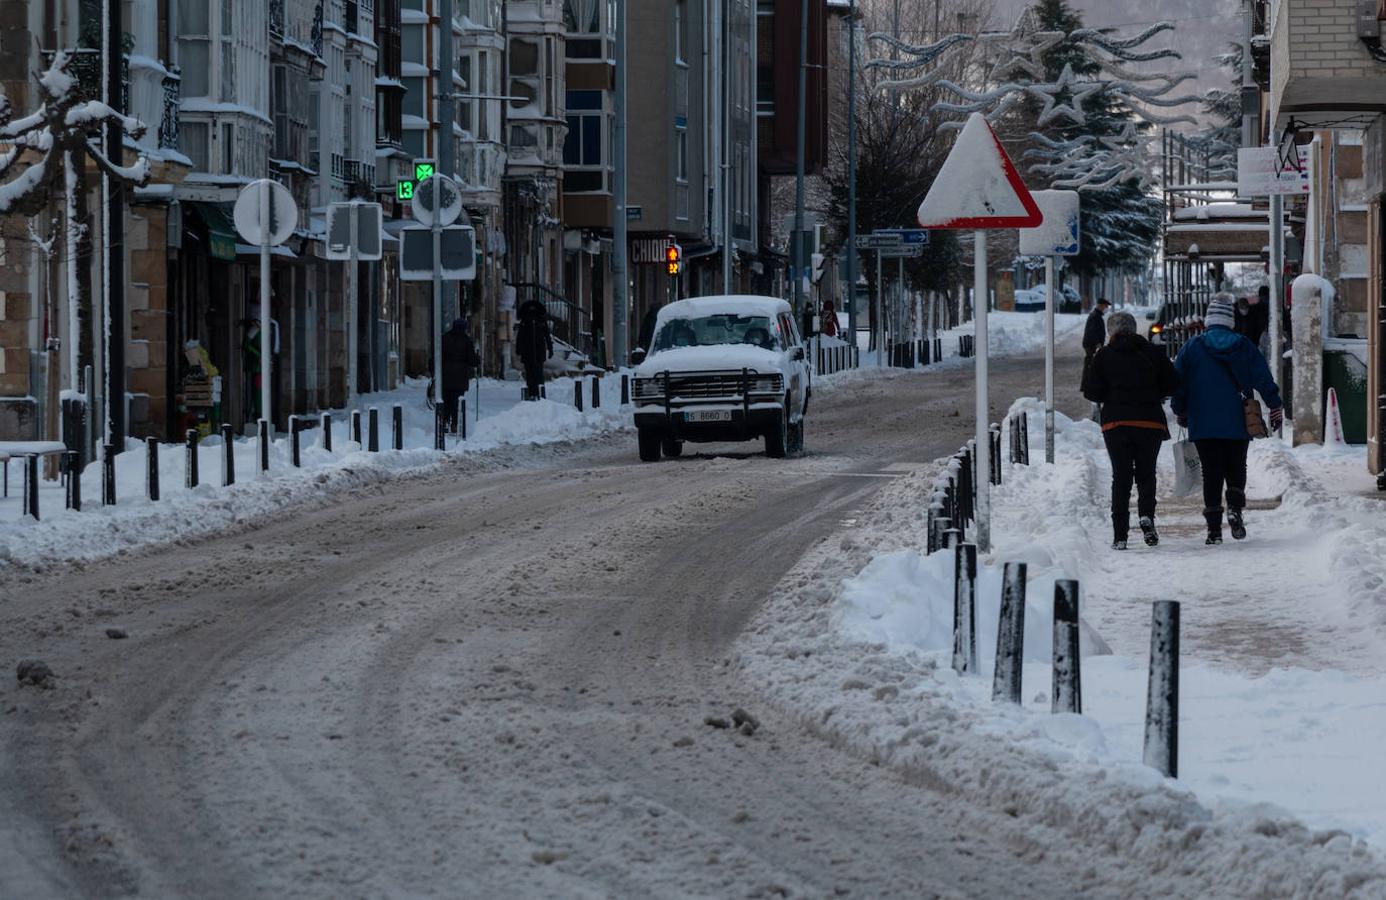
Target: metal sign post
[
  {"x": 977, "y": 189},
  {"x": 353, "y": 237},
  {"x": 1058, "y": 235},
  {"x": 265, "y": 214}
]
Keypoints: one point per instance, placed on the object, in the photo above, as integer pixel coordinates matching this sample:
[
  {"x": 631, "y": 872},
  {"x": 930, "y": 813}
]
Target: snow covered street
[{"x": 549, "y": 670}]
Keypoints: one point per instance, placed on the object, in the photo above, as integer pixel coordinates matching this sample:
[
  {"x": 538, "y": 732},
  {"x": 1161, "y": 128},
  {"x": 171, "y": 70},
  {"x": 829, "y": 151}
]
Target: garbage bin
[{"x": 1345, "y": 370}]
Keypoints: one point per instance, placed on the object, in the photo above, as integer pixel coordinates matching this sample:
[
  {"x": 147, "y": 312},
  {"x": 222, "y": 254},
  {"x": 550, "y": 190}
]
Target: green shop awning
[{"x": 220, "y": 229}]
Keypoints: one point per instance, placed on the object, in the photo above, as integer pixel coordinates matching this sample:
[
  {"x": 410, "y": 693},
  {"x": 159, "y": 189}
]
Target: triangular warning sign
[{"x": 978, "y": 187}]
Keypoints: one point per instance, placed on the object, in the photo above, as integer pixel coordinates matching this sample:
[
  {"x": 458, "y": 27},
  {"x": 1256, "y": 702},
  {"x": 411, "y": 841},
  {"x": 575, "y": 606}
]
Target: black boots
[
  {"x": 1235, "y": 523},
  {"x": 1152, "y": 537},
  {"x": 1213, "y": 517},
  {"x": 1121, "y": 524}
]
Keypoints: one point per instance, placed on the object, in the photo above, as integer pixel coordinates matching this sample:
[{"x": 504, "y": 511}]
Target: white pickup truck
[{"x": 730, "y": 368}]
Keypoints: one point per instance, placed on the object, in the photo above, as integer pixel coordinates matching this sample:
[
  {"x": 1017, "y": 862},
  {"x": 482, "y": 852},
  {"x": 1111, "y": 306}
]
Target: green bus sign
[
  {"x": 423, "y": 171},
  {"x": 404, "y": 189}
]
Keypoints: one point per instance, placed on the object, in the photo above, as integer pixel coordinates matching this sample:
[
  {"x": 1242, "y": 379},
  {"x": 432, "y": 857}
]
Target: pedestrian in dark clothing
[
  {"x": 1094, "y": 336},
  {"x": 1131, "y": 378},
  {"x": 534, "y": 344},
  {"x": 1253, "y": 316},
  {"x": 459, "y": 361},
  {"x": 1217, "y": 370}
]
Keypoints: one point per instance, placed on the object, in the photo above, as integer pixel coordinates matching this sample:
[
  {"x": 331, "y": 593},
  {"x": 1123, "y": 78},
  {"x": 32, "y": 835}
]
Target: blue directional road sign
[{"x": 908, "y": 236}]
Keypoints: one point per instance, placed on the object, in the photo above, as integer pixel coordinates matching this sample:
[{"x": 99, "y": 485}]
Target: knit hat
[{"x": 1221, "y": 311}]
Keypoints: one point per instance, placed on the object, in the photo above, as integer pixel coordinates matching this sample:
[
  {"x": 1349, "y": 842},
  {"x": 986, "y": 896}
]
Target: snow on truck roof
[{"x": 738, "y": 304}]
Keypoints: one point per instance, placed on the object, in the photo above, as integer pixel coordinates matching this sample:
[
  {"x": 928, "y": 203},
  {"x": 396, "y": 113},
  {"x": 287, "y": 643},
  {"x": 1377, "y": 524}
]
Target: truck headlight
[{"x": 767, "y": 384}]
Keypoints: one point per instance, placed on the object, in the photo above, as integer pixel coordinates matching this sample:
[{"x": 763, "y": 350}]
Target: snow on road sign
[
  {"x": 250, "y": 203},
  {"x": 978, "y": 187},
  {"x": 1058, "y": 234}
]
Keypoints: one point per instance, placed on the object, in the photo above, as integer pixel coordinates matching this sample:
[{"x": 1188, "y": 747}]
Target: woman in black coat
[{"x": 1130, "y": 378}]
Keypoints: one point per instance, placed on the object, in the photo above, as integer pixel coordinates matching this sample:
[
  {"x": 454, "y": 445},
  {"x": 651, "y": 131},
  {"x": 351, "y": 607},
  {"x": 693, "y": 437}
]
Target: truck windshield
[{"x": 711, "y": 331}]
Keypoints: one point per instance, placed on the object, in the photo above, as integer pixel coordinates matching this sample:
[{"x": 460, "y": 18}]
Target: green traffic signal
[
  {"x": 404, "y": 190},
  {"x": 423, "y": 171}
]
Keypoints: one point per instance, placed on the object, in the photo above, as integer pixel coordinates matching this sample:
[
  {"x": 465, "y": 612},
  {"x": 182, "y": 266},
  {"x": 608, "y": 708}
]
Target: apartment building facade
[{"x": 1327, "y": 96}]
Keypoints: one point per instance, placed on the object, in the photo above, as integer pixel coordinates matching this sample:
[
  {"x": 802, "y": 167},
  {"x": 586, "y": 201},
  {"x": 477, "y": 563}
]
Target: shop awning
[{"x": 220, "y": 229}]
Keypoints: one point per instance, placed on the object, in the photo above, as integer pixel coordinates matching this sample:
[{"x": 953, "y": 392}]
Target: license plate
[{"x": 708, "y": 415}]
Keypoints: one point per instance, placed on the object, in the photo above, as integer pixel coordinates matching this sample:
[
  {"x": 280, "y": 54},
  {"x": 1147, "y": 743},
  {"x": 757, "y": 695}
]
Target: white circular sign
[
  {"x": 261, "y": 197},
  {"x": 423, "y": 200}
]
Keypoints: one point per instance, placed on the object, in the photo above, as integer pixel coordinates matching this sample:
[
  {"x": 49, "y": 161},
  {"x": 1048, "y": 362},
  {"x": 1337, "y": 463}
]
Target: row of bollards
[
  {"x": 967, "y": 346},
  {"x": 364, "y": 431},
  {"x": 1161, "y": 738},
  {"x": 831, "y": 360}
]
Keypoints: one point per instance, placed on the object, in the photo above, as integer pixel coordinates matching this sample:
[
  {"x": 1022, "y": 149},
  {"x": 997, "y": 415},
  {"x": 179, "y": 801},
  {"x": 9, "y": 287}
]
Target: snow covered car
[{"x": 728, "y": 368}]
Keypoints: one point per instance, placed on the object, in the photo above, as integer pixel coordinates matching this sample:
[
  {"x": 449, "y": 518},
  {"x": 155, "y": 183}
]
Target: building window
[
  {"x": 192, "y": 139},
  {"x": 414, "y": 143},
  {"x": 680, "y": 31},
  {"x": 412, "y": 43},
  {"x": 584, "y": 159},
  {"x": 466, "y": 105},
  {"x": 228, "y": 148},
  {"x": 193, "y": 47},
  {"x": 681, "y": 148},
  {"x": 582, "y": 19},
  {"x": 414, "y": 97}
]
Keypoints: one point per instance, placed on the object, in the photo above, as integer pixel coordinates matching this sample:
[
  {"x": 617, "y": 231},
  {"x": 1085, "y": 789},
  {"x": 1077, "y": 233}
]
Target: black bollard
[
  {"x": 373, "y": 429},
  {"x": 397, "y": 421},
  {"x": 1162, "y": 695},
  {"x": 31, "y": 486},
  {"x": 942, "y": 525},
  {"x": 295, "y": 456},
  {"x": 965, "y": 608},
  {"x": 190, "y": 472},
  {"x": 108, "y": 484},
  {"x": 356, "y": 428},
  {"x": 228, "y": 457},
  {"x": 74, "y": 480},
  {"x": 596, "y": 393},
  {"x": 577, "y": 393},
  {"x": 1010, "y": 635},
  {"x": 262, "y": 435},
  {"x": 1068, "y": 682},
  {"x": 327, "y": 432},
  {"x": 462, "y": 417},
  {"x": 1024, "y": 439},
  {"x": 995, "y": 450},
  {"x": 625, "y": 390},
  {"x": 440, "y": 424},
  {"x": 151, "y": 472}
]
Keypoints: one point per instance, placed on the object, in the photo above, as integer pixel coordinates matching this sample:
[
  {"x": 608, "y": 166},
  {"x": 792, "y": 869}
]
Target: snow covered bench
[{"x": 20, "y": 449}]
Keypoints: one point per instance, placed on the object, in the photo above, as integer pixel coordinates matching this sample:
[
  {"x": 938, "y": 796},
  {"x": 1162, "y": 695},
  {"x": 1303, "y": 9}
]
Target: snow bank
[
  {"x": 181, "y": 514},
  {"x": 1280, "y": 782}
]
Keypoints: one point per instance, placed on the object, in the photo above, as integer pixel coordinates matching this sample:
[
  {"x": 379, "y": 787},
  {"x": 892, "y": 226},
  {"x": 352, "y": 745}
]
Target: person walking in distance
[
  {"x": 1253, "y": 315},
  {"x": 1130, "y": 379},
  {"x": 460, "y": 360},
  {"x": 1218, "y": 370},
  {"x": 534, "y": 344},
  {"x": 1094, "y": 336}
]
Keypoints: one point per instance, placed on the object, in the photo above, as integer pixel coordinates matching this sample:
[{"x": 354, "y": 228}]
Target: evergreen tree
[{"x": 1121, "y": 224}]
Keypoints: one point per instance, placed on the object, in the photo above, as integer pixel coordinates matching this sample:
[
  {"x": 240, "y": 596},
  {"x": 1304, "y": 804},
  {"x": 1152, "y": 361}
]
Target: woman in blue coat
[{"x": 1216, "y": 370}]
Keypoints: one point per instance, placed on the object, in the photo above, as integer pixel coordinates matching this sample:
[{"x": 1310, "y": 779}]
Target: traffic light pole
[
  {"x": 437, "y": 227},
  {"x": 852, "y": 174},
  {"x": 620, "y": 294},
  {"x": 353, "y": 315},
  {"x": 796, "y": 242}
]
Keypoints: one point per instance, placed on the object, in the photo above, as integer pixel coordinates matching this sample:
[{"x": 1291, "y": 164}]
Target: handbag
[{"x": 1251, "y": 407}]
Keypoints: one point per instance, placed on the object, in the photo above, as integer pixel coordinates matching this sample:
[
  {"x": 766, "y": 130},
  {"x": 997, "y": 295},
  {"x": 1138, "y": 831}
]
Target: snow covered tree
[
  {"x": 46, "y": 159},
  {"x": 1121, "y": 221}
]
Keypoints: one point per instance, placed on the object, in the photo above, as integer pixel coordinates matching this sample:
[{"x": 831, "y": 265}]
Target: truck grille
[{"x": 694, "y": 387}]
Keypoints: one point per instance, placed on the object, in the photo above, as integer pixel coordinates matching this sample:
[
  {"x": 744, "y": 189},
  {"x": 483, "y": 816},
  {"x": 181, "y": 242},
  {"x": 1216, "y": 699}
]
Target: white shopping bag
[{"x": 1188, "y": 471}]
